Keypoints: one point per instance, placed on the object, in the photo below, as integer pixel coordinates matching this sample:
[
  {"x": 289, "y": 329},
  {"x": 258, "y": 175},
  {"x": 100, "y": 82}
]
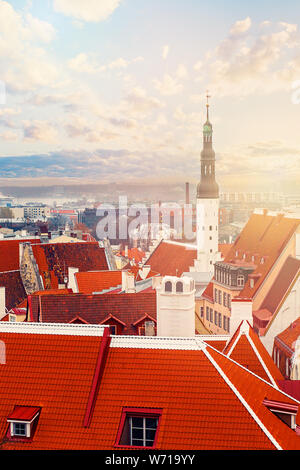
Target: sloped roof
[
  {"x": 9, "y": 253},
  {"x": 282, "y": 284},
  {"x": 172, "y": 258},
  {"x": 54, "y": 259},
  {"x": 208, "y": 402},
  {"x": 134, "y": 253},
  {"x": 97, "y": 281},
  {"x": 289, "y": 336},
  {"x": 128, "y": 308},
  {"x": 264, "y": 236},
  {"x": 246, "y": 348},
  {"x": 14, "y": 289}
]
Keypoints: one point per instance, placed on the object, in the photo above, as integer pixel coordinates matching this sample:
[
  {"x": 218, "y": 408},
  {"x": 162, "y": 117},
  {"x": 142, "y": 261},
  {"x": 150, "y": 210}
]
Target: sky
[{"x": 114, "y": 91}]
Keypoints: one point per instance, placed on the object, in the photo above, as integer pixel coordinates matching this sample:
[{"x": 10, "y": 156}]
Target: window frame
[{"x": 132, "y": 412}]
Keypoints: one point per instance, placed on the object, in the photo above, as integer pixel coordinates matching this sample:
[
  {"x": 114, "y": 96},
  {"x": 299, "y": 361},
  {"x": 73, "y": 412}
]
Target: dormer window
[
  {"x": 286, "y": 412},
  {"x": 23, "y": 421},
  {"x": 138, "y": 428}
]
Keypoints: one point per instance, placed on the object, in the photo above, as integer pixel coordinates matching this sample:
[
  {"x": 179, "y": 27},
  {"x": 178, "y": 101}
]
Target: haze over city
[{"x": 108, "y": 93}]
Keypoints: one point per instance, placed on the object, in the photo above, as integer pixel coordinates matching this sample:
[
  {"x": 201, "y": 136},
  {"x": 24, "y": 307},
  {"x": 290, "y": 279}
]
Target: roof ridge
[
  {"x": 71, "y": 329},
  {"x": 240, "y": 396}
]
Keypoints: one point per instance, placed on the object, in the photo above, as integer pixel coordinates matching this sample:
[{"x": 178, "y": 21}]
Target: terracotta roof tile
[
  {"x": 54, "y": 259},
  {"x": 246, "y": 348},
  {"x": 194, "y": 388},
  {"x": 9, "y": 253},
  {"x": 264, "y": 237},
  {"x": 14, "y": 289},
  {"x": 171, "y": 259},
  {"x": 282, "y": 284},
  {"x": 97, "y": 281},
  {"x": 128, "y": 308}
]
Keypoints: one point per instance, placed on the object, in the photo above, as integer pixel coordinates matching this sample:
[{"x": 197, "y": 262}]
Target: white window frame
[
  {"x": 144, "y": 440},
  {"x": 27, "y": 428}
]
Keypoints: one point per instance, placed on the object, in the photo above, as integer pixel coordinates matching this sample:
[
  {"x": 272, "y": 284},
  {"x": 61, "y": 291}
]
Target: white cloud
[
  {"x": 88, "y": 63},
  {"x": 241, "y": 26},
  {"x": 168, "y": 85},
  {"x": 181, "y": 71},
  {"x": 165, "y": 51},
  {"x": 87, "y": 10},
  {"x": 137, "y": 101},
  {"x": 39, "y": 131}
]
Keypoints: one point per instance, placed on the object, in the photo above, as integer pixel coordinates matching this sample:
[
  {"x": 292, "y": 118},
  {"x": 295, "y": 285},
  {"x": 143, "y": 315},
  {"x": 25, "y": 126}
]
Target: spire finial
[{"x": 207, "y": 104}]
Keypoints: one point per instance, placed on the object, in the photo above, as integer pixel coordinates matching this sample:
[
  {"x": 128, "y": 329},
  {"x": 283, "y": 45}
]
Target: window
[
  {"x": 220, "y": 320},
  {"x": 23, "y": 428},
  {"x": 211, "y": 314},
  {"x": 179, "y": 286},
  {"x": 224, "y": 299},
  {"x": 216, "y": 318},
  {"x": 220, "y": 297},
  {"x": 201, "y": 312},
  {"x": 240, "y": 281},
  {"x": 113, "y": 329},
  {"x": 216, "y": 295},
  {"x": 168, "y": 286},
  {"x": 224, "y": 323},
  {"x": 19, "y": 429},
  {"x": 138, "y": 427},
  {"x": 207, "y": 313}
]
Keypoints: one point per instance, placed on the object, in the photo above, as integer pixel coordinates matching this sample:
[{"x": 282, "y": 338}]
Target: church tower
[{"x": 207, "y": 205}]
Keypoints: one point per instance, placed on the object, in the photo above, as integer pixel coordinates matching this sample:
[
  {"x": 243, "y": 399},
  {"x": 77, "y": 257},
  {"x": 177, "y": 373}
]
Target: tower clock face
[{"x": 207, "y": 129}]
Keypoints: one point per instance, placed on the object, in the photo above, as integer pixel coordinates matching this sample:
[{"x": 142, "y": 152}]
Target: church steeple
[{"x": 208, "y": 187}]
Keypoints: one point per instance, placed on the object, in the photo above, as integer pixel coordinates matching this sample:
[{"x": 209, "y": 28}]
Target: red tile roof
[
  {"x": 264, "y": 236},
  {"x": 54, "y": 259},
  {"x": 282, "y": 284},
  {"x": 246, "y": 348},
  {"x": 9, "y": 253},
  {"x": 128, "y": 308},
  {"x": 14, "y": 289},
  {"x": 97, "y": 281},
  {"x": 208, "y": 402},
  {"x": 289, "y": 336},
  {"x": 134, "y": 254},
  {"x": 172, "y": 258},
  {"x": 23, "y": 413}
]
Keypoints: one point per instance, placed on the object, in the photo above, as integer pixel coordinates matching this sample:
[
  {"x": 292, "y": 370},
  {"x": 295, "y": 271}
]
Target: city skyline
[{"x": 115, "y": 92}]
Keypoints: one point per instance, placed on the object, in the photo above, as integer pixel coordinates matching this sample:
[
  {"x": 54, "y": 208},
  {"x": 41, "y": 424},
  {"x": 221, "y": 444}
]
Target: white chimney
[
  {"x": 241, "y": 309},
  {"x": 176, "y": 306},
  {"x": 144, "y": 271},
  {"x": 2, "y": 302},
  {"x": 72, "y": 284},
  {"x": 128, "y": 282}
]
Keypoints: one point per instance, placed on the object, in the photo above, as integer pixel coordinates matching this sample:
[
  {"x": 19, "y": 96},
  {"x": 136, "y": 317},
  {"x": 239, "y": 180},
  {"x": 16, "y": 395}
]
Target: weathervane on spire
[{"x": 207, "y": 103}]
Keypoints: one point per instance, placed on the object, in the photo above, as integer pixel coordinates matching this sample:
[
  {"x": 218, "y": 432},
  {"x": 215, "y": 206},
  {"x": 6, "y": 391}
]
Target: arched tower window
[
  {"x": 168, "y": 286},
  {"x": 179, "y": 286}
]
